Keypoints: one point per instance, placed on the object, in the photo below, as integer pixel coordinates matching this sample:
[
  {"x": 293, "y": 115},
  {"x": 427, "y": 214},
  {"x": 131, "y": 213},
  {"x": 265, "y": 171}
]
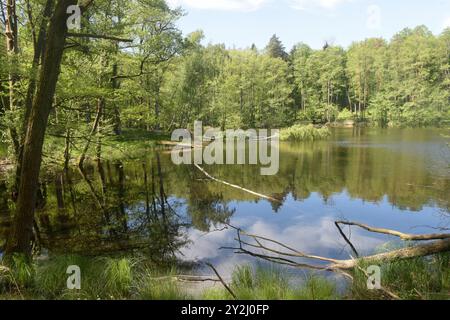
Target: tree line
[{"x": 130, "y": 67}]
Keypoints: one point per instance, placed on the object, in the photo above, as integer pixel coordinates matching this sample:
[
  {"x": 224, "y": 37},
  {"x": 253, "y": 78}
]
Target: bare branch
[
  {"x": 346, "y": 239},
  {"x": 267, "y": 252},
  {"x": 222, "y": 281},
  {"x": 97, "y": 36},
  {"x": 403, "y": 236}
]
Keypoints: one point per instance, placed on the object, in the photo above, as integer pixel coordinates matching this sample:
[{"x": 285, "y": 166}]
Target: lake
[{"x": 391, "y": 178}]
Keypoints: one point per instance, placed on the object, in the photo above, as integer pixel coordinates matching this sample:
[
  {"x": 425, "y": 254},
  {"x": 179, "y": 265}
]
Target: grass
[
  {"x": 304, "y": 133},
  {"x": 131, "y": 144},
  {"x": 122, "y": 278},
  {"x": 272, "y": 284},
  {"x": 105, "y": 278},
  {"x": 415, "y": 279}
]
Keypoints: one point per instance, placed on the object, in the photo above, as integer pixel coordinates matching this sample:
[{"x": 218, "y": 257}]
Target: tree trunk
[
  {"x": 12, "y": 49},
  {"x": 37, "y": 56},
  {"x": 116, "y": 117},
  {"x": 22, "y": 230}
]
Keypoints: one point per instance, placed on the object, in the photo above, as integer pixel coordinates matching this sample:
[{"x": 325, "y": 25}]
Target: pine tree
[{"x": 275, "y": 48}]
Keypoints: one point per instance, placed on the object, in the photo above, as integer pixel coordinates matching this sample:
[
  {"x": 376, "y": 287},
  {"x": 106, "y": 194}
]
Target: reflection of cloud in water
[{"x": 320, "y": 238}]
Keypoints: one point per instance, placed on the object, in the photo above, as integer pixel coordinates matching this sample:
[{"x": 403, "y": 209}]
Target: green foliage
[
  {"x": 304, "y": 133},
  {"x": 418, "y": 279},
  {"x": 155, "y": 286},
  {"x": 101, "y": 278},
  {"x": 345, "y": 115},
  {"x": 404, "y": 82},
  {"x": 266, "y": 283},
  {"x": 275, "y": 48},
  {"x": 20, "y": 274},
  {"x": 119, "y": 276}
]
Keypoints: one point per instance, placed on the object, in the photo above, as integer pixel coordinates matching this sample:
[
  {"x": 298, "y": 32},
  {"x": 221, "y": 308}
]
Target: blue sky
[{"x": 239, "y": 23}]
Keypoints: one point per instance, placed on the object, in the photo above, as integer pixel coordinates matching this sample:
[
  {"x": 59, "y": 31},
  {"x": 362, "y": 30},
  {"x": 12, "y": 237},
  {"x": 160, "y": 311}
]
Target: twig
[
  {"x": 346, "y": 239},
  {"x": 221, "y": 280}
]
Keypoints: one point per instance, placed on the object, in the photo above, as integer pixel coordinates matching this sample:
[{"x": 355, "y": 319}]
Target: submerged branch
[
  {"x": 236, "y": 186},
  {"x": 269, "y": 250}
]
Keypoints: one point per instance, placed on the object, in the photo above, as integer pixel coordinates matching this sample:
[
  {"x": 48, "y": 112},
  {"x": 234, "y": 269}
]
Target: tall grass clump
[
  {"x": 51, "y": 278},
  {"x": 19, "y": 274},
  {"x": 414, "y": 279},
  {"x": 304, "y": 133},
  {"x": 102, "y": 278},
  {"x": 268, "y": 283},
  {"x": 153, "y": 285},
  {"x": 107, "y": 278}
]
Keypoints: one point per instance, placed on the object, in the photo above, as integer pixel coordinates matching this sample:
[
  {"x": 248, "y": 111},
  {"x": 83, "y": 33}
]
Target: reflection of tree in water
[
  {"x": 206, "y": 208},
  {"x": 114, "y": 206},
  {"x": 101, "y": 210}
]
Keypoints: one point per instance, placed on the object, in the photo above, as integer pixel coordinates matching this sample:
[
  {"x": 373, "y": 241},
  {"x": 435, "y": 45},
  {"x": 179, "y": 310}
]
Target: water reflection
[{"x": 397, "y": 179}]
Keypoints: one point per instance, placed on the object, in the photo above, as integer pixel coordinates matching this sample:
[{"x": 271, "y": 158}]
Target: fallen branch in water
[
  {"x": 187, "y": 278},
  {"x": 403, "y": 236},
  {"x": 236, "y": 186},
  {"x": 277, "y": 252}
]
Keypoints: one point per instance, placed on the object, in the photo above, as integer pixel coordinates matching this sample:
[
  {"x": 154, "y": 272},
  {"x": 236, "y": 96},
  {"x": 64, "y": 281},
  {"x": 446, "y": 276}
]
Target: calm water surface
[{"x": 391, "y": 178}]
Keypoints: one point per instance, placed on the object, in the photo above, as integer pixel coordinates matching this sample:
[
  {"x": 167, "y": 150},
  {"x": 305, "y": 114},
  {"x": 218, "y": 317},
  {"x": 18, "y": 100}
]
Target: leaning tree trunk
[
  {"x": 38, "y": 51},
  {"x": 22, "y": 230}
]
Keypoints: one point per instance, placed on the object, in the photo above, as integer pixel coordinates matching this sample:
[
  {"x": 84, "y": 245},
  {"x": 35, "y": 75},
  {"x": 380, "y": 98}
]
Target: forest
[{"x": 113, "y": 87}]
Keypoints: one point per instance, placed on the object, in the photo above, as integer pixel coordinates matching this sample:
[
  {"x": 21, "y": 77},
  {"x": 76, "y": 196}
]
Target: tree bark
[
  {"x": 37, "y": 56},
  {"x": 22, "y": 230},
  {"x": 12, "y": 49}
]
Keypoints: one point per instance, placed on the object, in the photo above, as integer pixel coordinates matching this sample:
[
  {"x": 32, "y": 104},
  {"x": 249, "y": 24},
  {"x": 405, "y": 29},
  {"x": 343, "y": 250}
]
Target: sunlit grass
[
  {"x": 122, "y": 278},
  {"x": 419, "y": 278},
  {"x": 105, "y": 278},
  {"x": 304, "y": 133},
  {"x": 272, "y": 284}
]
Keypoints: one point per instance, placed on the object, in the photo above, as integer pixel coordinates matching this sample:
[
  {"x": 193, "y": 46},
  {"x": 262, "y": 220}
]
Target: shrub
[{"x": 304, "y": 133}]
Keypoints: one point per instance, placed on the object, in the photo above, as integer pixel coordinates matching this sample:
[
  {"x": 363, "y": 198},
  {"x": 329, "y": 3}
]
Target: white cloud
[
  {"x": 447, "y": 23},
  {"x": 306, "y": 4},
  {"x": 319, "y": 237},
  {"x": 226, "y": 5}
]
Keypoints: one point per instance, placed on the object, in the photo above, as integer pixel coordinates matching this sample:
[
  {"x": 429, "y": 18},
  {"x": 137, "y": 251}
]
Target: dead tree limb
[
  {"x": 236, "y": 186},
  {"x": 222, "y": 281},
  {"x": 403, "y": 236},
  {"x": 97, "y": 36},
  {"x": 341, "y": 232},
  {"x": 187, "y": 278},
  {"x": 277, "y": 252}
]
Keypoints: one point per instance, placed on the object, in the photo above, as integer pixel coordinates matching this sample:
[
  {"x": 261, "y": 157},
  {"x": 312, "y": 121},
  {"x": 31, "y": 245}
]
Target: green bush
[
  {"x": 304, "y": 133},
  {"x": 345, "y": 115}
]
